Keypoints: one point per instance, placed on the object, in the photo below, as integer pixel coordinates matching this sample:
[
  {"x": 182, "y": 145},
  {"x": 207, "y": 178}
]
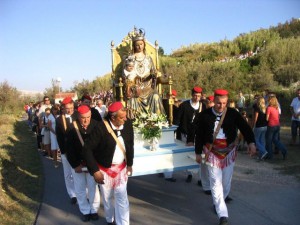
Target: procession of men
[{"x": 98, "y": 155}]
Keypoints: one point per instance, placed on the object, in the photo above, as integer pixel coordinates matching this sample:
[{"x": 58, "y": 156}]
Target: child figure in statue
[
  {"x": 144, "y": 97},
  {"x": 132, "y": 80}
]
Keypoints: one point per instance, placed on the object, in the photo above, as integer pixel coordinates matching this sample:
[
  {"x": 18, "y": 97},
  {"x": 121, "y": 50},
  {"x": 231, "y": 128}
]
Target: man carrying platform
[
  {"x": 63, "y": 126},
  {"x": 109, "y": 156},
  {"x": 85, "y": 185},
  {"x": 186, "y": 114}
]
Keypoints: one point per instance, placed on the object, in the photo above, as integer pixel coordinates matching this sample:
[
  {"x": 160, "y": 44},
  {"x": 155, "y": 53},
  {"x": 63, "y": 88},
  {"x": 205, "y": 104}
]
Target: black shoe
[
  {"x": 94, "y": 216},
  {"x": 113, "y": 223},
  {"x": 264, "y": 156},
  {"x": 160, "y": 175},
  {"x": 284, "y": 156},
  {"x": 85, "y": 218},
  {"x": 208, "y": 192},
  {"x": 268, "y": 157},
  {"x": 223, "y": 221},
  {"x": 228, "y": 199},
  {"x": 171, "y": 179},
  {"x": 189, "y": 179},
  {"x": 73, "y": 200},
  {"x": 199, "y": 183},
  {"x": 45, "y": 154}
]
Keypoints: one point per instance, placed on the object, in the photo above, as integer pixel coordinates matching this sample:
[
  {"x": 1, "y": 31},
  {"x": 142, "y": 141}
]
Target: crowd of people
[{"x": 96, "y": 145}]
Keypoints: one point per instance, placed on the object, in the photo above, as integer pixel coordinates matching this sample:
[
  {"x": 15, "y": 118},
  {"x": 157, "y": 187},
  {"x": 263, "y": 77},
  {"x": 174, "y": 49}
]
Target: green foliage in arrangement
[{"x": 150, "y": 125}]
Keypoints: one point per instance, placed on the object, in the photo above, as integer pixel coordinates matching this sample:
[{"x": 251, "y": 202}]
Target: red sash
[
  {"x": 221, "y": 155},
  {"x": 220, "y": 143},
  {"x": 115, "y": 175},
  {"x": 114, "y": 170}
]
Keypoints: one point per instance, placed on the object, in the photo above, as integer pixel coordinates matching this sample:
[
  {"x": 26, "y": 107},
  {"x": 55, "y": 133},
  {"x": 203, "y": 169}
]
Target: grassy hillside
[{"x": 20, "y": 173}]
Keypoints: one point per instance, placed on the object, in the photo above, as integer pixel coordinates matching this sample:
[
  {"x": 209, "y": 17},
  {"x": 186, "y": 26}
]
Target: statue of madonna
[{"x": 140, "y": 80}]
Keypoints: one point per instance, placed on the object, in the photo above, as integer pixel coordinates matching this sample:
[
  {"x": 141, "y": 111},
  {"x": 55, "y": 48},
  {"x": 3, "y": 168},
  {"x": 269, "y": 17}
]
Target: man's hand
[
  {"x": 198, "y": 158},
  {"x": 252, "y": 149},
  {"x": 129, "y": 170},
  {"x": 98, "y": 176},
  {"x": 190, "y": 144}
]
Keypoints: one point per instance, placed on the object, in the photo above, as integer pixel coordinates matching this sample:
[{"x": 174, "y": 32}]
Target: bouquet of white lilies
[{"x": 150, "y": 124}]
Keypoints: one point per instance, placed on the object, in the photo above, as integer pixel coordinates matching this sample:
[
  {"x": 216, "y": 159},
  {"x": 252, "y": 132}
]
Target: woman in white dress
[{"x": 52, "y": 123}]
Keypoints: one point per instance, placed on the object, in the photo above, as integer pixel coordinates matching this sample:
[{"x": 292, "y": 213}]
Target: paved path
[{"x": 262, "y": 196}]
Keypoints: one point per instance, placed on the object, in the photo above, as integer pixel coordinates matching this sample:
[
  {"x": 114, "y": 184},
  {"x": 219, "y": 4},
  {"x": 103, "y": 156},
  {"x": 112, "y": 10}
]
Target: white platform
[{"x": 172, "y": 155}]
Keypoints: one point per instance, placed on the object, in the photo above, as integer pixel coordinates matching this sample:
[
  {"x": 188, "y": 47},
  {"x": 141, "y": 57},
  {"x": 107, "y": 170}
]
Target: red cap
[
  {"x": 174, "y": 92},
  {"x": 197, "y": 89},
  {"x": 211, "y": 98},
  {"x": 83, "y": 109},
  {"x": 221, "y": 92},
  {"x": 67, "y": 100},
  {"x": 86, "y": 97},
  {"x": 114, "y": 107}
]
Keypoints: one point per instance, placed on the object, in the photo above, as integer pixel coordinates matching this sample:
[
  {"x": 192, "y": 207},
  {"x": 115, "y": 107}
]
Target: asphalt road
[{"x": 261, "y": 196}]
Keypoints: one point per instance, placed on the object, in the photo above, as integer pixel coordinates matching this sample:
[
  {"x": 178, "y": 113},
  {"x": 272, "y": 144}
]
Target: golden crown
[{"x": 137, "y": 34}]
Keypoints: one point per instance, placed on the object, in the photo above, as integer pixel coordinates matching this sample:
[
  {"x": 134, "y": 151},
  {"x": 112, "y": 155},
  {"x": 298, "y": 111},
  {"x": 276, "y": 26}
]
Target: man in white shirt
[
  {"x": 241, "y": 102},
  {"x": 101, "y": 108},
  {"x": 295, "y": 110}
]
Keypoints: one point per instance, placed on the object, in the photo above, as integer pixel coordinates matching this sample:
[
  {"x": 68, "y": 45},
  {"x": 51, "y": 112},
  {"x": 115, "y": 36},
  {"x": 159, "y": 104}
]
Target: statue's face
[
  {"x": 139, "y": 46},
  {"x": 129, "y": 67}
]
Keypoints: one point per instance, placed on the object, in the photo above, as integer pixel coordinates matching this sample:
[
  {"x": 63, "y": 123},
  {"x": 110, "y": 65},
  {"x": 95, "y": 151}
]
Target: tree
[
  {"x": 161, "y": 51},
  {"x": 10, "y": 101},
  {"x": 287, "y": 74},
  {"x": 53, "y": 90}
]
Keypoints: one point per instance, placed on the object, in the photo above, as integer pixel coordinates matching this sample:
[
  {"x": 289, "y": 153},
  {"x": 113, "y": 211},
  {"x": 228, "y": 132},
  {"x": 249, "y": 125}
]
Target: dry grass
[{"x": 20, "y": 173}]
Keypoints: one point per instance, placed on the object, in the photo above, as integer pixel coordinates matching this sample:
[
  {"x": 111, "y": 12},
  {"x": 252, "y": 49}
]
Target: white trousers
[
  {"x": 68, "y": 176},
  {"x": 204, "y": 176},
  {"x": 220, "y": 183},
  {"x": 116, "y": 204},
  {"x": 191, "y": 171},
  {"x": 87, "y": 192}
]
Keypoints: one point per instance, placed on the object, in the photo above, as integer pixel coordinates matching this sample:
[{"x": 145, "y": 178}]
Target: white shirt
[
  {"x": 69, "y": 116},
  {"x": 119, "y": 155},
  {"x": 241, "y": 102},
  {"x": 296, "y": 107},
  {"x": 101, "y": 110},
  {"x": 221, "y": 134},
  {"x": 42, "y": 109},
  {"x": 195, "y": 106}
]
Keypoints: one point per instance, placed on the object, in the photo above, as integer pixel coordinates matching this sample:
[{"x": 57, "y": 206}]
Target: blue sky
[{"x": 41, "y": 40}]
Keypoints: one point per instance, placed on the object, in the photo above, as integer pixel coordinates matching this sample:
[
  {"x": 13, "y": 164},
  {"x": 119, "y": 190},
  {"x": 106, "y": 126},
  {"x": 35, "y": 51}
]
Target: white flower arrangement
[{"x": 150, "y": 124}]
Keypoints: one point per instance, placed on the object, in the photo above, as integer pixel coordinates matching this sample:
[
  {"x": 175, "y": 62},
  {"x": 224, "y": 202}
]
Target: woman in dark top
[{"x": 260, "y": 126}]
